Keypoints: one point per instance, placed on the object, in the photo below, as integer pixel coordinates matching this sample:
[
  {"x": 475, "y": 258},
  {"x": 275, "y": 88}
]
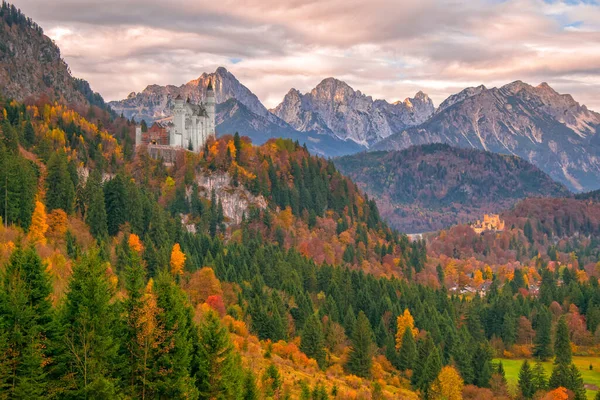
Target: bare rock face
[
  {"x": 334, "y": 108},
  {"x": 548, "y": 129},
  {"x": 235, "y": 200}
]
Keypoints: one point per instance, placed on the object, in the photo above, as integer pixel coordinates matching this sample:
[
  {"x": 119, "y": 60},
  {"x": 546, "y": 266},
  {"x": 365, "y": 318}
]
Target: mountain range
[
  {"x": 430, "y": 187},
  {"x": 548, "y": 129}
]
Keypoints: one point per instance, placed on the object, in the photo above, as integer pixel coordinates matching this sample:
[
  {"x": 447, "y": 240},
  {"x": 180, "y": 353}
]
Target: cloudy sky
[{"x": 386, "y": 48}]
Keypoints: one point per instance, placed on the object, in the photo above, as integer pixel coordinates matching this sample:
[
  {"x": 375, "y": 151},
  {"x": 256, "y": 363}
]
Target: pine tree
[
  {"x": 361, "y": 353},
  {"x": 219, "y": 372},
  {"x": 562, "y": 344},
  {"x": 431, "y": 370},
  {"x": 526, "y": 384},
  {"x": 482, "y": 368},
  {"x": 177, "y": 349},
  {"x": 408, "y": 351},
  {"x": 540, "y": 380},
  {"x": 272, "y": 381},
  {"x": 60, "y": 192},
  {"x": 115, "y": 202},
  {"x": 542, "y": 343},
  {"x": 87, "y": 353},
  {"x": 25, "y": 326},
  {"x": 250, "y": 388},
  {"x": 95, "y": 215},
  {"x": 313, "y": 341}
]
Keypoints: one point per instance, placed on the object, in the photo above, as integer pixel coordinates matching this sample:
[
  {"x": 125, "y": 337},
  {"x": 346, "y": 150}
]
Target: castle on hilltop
[
  {"x": 189, "y": 128},
  {"x": 491, "y": 222}
]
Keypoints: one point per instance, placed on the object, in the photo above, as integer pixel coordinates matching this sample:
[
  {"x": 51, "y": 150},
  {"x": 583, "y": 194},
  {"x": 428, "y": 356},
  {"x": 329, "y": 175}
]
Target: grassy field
[{"x": 590, "y": 377}]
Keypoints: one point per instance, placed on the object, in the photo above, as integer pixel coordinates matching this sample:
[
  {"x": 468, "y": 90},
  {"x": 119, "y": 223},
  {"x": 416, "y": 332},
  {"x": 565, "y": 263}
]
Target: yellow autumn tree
[
  {"x": 135, "y": 243},
  {"x": 57, "y": 223},
  {"x": 405, "y": 320},
  {"x": 477, "y": 278},
  {"x": 447, "y": 386},
  {"x": 39, "y": 226},
  {"x": 177, "y": 260},
  {"x": 560, "y": 393}
]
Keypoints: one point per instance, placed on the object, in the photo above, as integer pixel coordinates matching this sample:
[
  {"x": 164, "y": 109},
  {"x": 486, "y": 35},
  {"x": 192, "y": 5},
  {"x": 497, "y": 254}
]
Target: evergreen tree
[
  {"x": 542, "y": 343},
  {"x": 408, "y": 351},
  {"x": 88, "y": 346},
  {"x": 360, "y": 358},
  {"x": 115, "y": 201},
  {"x": 431, "y": 370},
  {"x": 482, "y": 365},
  {"x": 95, "y": 215},
  {"x": 526, "y": 382},
  {"x": 313, "y": 341},
  {"x": 540, "y": 380},
  {"x": 219, "y": 368},
  {"x": 25, "y": 318},
  {"x": 250, "y": 388},
  {"x": 60, "y": 192},
  {"x": 562, "y": 344}
]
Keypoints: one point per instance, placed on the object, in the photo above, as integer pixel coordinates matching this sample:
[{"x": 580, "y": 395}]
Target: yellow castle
[{"x": 491, "y": 222}]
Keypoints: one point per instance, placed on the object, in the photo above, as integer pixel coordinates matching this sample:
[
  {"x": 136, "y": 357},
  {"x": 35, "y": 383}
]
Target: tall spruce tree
[
  {"x": 543, "y": 343},
  {"x": 219, "y": 374},
  {"x": 526, "y": 381},
  {"x": 408, "y": 351},
  {"x": 562, "y": 343},
  {"x": 312, "y": 340},
  {"x": 95, "y": 215},
  {"x": 25, "y": 326},
  {"x": 360, "y": 358},
  {"x": 60, "y": 192},
  {"x": 87, "y": 353}
]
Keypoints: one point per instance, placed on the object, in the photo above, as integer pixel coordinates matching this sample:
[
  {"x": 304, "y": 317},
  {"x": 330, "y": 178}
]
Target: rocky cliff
[
  {"x": 548, "y": 129},
  {"x": 335, "y": 109}
]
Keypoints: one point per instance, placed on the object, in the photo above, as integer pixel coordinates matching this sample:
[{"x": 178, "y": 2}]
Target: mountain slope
[
  {"x": 233, "y": 116},
  {"x": 429, "y": 187},
  {"x": 549, "y": 129},
  {"x": 31, "y": 65},
  {"x": 335, "y": 109}
]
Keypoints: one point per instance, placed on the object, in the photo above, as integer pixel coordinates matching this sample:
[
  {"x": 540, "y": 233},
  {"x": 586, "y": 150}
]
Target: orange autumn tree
[
  {"x": 447, "y": 386},
  {"x": 560, "y": 393},
  {"x": 57, "y": 223},
  {"x": 39, "y": 226},
  {"x": 135, "y": 243},
  {"x": 404, "y": 321},
  {"x": 177, "y": 260}
]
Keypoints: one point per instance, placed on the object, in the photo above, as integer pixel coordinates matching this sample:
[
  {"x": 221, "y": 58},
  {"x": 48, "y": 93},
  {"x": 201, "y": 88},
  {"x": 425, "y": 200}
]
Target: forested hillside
[
  {"x": 123, "y": 277},
  {"x": 430, "y": 187}
]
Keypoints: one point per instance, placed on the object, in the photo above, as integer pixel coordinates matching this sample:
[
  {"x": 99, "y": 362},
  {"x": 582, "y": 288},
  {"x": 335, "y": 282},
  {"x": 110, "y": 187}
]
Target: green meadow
[{"x": 591, "y": 378}]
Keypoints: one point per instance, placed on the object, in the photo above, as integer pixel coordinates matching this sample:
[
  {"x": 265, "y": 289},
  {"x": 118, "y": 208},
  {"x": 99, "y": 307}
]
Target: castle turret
[
  {"x": 178, "y": 122},
  {"x": 138, "y": 135},
  {"x": 210, "y": 109}
]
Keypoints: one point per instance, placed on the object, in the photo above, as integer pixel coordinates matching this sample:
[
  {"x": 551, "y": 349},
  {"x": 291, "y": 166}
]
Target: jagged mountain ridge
[
  {"x": 430, "y": 187},
  {"x": 548, "y": 129},
  {"x": 31, "y": 65},
  {"x": 336, "y": 109},
  {"x": 155, "y": 101},
  {"x": 238, "y": 110}
]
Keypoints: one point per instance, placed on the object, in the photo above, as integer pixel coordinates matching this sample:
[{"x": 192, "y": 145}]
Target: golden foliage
[
  {"x": 39, "y": 226},
  {"x": 559, "y": 393},
  {"x": 177, "y": 260},
  {"x": 57, "y": 223},
  {"x": 135, "y": 243},
  {"x": 448, "y": 385},
  {"x": 404, "y": 321},
  {"x": 202, "y": 284}
]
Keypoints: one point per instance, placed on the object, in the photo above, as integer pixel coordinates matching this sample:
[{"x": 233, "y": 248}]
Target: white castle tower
[{"x": 190, "y": 126}]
